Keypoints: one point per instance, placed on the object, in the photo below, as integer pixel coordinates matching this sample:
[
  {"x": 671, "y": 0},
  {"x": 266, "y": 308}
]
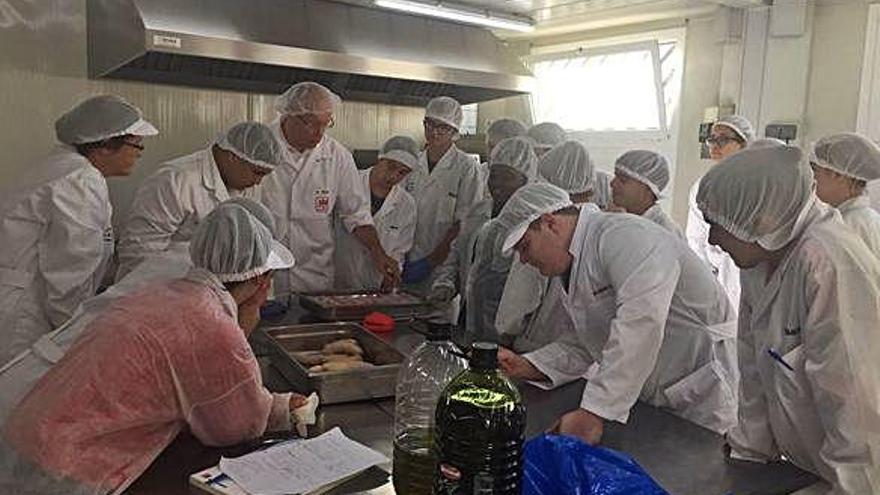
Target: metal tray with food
[
  {"x": 341, "y": 361},
  {"x": 336, "y": 306}
]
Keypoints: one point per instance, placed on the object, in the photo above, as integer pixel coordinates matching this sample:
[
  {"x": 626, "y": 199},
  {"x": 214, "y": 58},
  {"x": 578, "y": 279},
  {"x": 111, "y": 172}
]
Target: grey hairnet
[
  {"x": 237, "y": 245},
  {"x": 759, "y": 195},
  {"x": 526, "y": 205},
  {"x": 738, "y": 124},
  {"x": 401, "y": 149},
  {"x": 253, "y": 142},
  {"x": 257, "y": 209},
  {"x": 446, "y": 110},
  {"x": 547, "y": 134},
  {"x": 504, "y": 128},
  {"x": 307, "y": 98},
  {"x": 647, "y": 167},
  {"x": 99, "y": 118},
  {"x": 849, "y": 154},
  {"x": 569, "y": 166},
  {"x": 518, "y": 154}
]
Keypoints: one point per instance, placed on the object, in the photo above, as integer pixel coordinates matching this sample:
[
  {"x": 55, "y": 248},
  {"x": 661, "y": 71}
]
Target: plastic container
[
  {"x": 420, "y": 382},
  {"x": 479, "y": 430}
]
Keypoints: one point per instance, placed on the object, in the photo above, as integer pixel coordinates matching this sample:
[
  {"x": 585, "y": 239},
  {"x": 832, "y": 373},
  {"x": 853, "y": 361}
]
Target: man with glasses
[
  {"x": 729, "y": 135},
  {"x": 55, "y": 220},
  {"x": 445, "y": 185},
  {"x": 170, "y": 204},
  {"x": 317, "y": 182}
]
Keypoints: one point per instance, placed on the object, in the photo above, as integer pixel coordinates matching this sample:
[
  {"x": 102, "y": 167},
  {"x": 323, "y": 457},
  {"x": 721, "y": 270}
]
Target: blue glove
[{"x": 416, "y": 271}]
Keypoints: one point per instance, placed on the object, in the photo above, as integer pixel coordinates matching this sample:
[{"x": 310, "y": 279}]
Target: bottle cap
[
  {"x": 484, "y": 356},
  {"x": 438, "y": 330}
]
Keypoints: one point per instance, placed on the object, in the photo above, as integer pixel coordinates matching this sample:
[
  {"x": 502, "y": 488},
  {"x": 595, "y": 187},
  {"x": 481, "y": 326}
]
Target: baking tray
[
  {"x": 335, "y": 386},
  {"x": 344, "y": 306}
]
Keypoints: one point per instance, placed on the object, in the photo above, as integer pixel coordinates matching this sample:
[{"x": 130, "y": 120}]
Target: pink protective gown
[{"x": 160, "y": 360}]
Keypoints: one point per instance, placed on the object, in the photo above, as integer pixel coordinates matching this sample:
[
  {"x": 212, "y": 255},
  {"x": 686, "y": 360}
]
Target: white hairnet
[
  {"x": 547, "y": 134},
  {"x": 850, "y": 154},
  {"x": 504, "y": 128},
  {"x": 237, "y": 245},
  {"x": 738, "y": 124},
  {"x": 647, "y": 167},
  {"x": 526, "y": 205},
  {"x": 402, "y": 150},
  {"x": 569, "y": 166},
  {"x": 766, "y": 143},
  {"x": 99, "y": 118},
  {"x": 446, "y": 110},
  {"x": 759, "y": 195},
  {"x": 518, "y": 154},
  {"x": 307, "y": 98},
  {"x": 253, "y": 142}
]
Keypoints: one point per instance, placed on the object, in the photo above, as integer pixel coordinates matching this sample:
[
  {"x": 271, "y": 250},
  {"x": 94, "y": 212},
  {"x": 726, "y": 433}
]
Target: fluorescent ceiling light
[{"x": 460, "y": 15}]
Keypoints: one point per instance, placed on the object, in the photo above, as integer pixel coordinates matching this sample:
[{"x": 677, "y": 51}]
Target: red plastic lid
[{"x": 379, "y": 322}]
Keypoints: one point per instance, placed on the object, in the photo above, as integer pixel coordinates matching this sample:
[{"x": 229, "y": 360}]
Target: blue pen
[{"x": 775, "y": 355}]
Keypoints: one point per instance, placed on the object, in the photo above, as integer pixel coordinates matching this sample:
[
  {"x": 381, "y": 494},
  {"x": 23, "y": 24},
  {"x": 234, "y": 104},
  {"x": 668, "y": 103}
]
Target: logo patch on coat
[{"x": 322, "y": 201}]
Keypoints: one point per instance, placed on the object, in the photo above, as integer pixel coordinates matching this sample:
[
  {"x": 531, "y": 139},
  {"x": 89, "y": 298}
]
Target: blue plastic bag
[{"x": 565, "y": 465}]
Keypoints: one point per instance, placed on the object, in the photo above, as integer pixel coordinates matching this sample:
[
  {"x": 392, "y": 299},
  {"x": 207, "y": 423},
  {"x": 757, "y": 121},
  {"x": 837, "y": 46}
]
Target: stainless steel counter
[{"x": 684, "y": 458}]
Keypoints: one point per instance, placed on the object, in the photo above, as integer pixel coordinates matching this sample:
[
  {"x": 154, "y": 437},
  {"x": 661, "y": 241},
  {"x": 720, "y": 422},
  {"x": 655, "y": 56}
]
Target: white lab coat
[
  {"x": 169, "y": 205},
  {"x": 453, "y": 273},
  {"x": 443, "y": 196},
  {"x": 651, "y": 315},
  {"x": 305, "y": 194},
  {"x": 395, "y": 223},
  {"x": 19, "y": 374},
  {"x": 820, "y": 310},
  {"x": 697, "y": 233},
  {"x": 873, "y": 192},
  {"x": 656, "y": 214},
  {"x": 57, "y": 238},
  {"x": 864, "y": 220}
]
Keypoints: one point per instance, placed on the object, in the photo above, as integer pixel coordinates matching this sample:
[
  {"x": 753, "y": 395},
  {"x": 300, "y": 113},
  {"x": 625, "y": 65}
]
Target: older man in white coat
[
  {"x": 317, "y": 182},
  {"x": 809, "y": 323},
  {"x": 394, "y": 214},
  {"x": 170, "y": 204},
  {"x": 646, "y": 311},
  {"x": 55, "y": 221}
]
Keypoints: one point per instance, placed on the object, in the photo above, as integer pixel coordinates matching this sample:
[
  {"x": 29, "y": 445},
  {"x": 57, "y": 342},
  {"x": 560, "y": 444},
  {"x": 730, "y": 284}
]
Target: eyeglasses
[
  {"x": 437, "y": 127},
  {"x": 318, "y": 126},
  {"x": 136, "y": 146},
  {"x": 720, "y": 141}
]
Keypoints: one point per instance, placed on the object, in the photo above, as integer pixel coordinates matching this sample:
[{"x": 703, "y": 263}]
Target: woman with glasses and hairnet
[
  {"x": 475, "y": 268},
  {"x": 809, "y": 323},
  {"x": 170, "y": 357},
  {"x": 317, "y": 182},
  {"x": 55, "y": 221},
  {"x": 530, "y": 314},
  {"x": 640, "y": 176},
  {"x": 728, "y": 135},
  {"x": 445, "y": 185},
  {"x": 169, "y": 205},
  {"x": 843, "y": 164},
  {"x": 650, "y": 320},
  {"x": 393, "y": 211}
]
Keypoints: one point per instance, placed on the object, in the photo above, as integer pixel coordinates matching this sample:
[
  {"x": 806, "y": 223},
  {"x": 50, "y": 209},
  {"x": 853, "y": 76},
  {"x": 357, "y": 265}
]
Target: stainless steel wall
[{"x": 43, "y": 72}]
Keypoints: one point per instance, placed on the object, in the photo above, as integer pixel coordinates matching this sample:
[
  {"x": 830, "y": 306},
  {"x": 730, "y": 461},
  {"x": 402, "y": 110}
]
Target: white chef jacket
[
  {"x": 304, "y": 194},
  {"x": 864, "y": 220},
  {"x": 170, "y": 204},
  {"x": 57, "y": 238},
  {"x": 697, "y": 233},
  {"x": 819, "y": 311},
  {"x": 656, "y": 214},
  {"x": 395, "y": 223},
  {"x": 443, "y": 196},
  {"x": 651, "y": 315}
]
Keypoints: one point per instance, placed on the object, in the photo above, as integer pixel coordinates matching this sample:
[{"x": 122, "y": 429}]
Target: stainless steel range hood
[{"x": 265, "y": 46}]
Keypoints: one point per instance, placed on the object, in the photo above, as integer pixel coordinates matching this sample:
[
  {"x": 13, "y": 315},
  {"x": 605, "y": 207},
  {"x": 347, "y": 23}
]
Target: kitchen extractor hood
[{"x": 265, "y": 46}]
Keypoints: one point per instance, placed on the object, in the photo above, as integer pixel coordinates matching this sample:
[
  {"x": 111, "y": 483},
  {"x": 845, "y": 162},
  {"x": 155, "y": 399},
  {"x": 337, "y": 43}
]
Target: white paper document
[{"x": 301, "y": 466}]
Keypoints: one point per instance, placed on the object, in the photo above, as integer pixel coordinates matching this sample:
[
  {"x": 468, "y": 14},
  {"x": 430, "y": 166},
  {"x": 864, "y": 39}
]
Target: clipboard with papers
[{"x": 297, "y": 467}]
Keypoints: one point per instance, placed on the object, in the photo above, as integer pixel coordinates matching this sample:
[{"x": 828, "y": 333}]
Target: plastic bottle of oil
[
  {"x": 420, "y": 382},
  {"x": 479, "y": 429}
]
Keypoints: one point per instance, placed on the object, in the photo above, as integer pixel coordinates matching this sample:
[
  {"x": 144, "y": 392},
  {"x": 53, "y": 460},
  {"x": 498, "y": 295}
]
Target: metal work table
[{"x": 684, "y": 458}]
